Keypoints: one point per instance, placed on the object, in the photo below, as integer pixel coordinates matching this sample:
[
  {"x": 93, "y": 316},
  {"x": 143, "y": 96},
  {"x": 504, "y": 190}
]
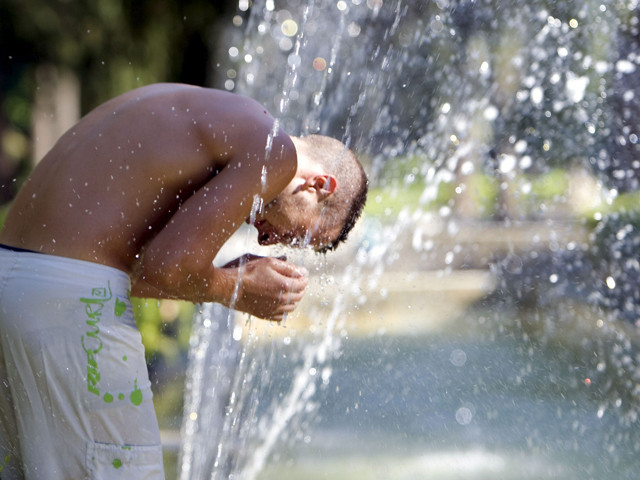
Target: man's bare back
[{"x": 153, "y": 183}]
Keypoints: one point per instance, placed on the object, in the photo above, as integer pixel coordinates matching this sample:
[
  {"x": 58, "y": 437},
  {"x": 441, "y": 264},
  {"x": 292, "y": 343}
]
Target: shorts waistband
[
  {"x": 16, "y": 249},
  {"x": 63, "y": 271}
]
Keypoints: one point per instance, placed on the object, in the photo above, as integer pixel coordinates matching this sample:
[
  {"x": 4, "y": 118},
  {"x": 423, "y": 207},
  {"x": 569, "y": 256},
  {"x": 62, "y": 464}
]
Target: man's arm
[
  {"x": 178, "y": 262},
  {"x": 266, "y": 287}
]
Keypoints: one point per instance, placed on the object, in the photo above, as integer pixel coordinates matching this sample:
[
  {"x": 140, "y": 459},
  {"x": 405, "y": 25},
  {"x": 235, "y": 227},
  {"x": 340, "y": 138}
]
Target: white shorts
[{"x": 75, "y": 397}]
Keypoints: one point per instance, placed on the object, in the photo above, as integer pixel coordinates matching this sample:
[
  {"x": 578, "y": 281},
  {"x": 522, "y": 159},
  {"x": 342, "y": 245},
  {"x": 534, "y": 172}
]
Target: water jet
[{"x": 502, "y": 142}]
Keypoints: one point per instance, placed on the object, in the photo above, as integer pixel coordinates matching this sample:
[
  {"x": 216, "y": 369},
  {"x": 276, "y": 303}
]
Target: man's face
[{"x": 294, "y": 220}]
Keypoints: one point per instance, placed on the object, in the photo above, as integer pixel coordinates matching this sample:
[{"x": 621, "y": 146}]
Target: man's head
[{"x": 324, "y": 200}]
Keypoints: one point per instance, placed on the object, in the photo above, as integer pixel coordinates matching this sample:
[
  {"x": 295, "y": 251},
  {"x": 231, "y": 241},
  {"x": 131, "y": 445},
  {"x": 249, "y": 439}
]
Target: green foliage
[
  {"x": 480, "y": 190},
  {"x": 403, "y": 168},
  {"x": 111, "y": 46},
  {"x": 625, "y": 207},
  {"x": 549, "y": 185},
  {"x": 165, "y": 326},
  {"x": 626, "y": 203},
  {"x": 3, "y": 214},
  {"x": 388, "y": 202}
]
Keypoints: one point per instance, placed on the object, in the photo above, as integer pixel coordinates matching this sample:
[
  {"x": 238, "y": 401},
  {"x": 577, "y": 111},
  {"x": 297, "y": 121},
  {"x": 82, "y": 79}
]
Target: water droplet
[
  {"x": 289, "y": 27},
  {"x": 319, "y": 64},
  {"x": 353, "y": 29},
  {"x": 507, "y": 163},
  {"x": 491, "y": 113},
  {"x": 294, "y": 60},
  {"x": 625, "y": 66},
  {"x": 464, "y": 415},
  {"x": 537, "y": 95},
  {"x": 458, "y": 357}
]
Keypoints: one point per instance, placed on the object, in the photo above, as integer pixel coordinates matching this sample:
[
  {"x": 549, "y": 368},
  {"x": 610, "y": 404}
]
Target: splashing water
[
  {"x": 228, "y": 432},
  {"x": 509, "y": 131}
]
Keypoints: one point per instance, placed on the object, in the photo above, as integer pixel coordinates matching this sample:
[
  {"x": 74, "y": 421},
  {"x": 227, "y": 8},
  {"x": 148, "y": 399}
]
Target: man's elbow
[
  {"x": 163, "y": 272},
  {"x": 184, "y": 277}
]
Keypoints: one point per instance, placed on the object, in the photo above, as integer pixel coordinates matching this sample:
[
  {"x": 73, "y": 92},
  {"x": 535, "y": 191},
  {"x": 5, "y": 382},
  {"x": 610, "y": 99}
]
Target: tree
[{"x": 110, "y": 46}]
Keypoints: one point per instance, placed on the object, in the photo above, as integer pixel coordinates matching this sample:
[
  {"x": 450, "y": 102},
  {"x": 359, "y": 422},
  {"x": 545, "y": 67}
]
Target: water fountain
[{"x": 505, "y": 138}]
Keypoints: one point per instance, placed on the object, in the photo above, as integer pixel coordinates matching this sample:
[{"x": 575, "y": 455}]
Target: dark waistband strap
[{"x": 16, "y": 249}]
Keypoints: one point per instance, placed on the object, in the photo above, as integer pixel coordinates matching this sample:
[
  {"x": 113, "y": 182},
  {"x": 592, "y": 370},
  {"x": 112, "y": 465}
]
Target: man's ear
[{"x": 325, "y": 185}]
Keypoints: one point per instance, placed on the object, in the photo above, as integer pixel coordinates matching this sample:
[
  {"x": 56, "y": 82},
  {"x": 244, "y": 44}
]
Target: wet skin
[{"x": 153, "y": 183}]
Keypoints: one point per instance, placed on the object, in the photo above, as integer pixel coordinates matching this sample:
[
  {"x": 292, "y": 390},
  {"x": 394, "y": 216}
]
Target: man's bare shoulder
[
  {"x": 174, "y": 107},
  {"x": 182, "y": 96},
  {"x": 179, "y": 119}
]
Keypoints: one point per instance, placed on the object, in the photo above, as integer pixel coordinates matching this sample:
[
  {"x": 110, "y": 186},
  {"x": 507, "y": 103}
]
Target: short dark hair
[
  {"x": 350, "y": 197},
  {"x": 353, "y": 214}
]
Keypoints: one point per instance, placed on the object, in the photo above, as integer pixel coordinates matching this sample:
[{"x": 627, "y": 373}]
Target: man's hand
[{"x": 268, "y": 287}]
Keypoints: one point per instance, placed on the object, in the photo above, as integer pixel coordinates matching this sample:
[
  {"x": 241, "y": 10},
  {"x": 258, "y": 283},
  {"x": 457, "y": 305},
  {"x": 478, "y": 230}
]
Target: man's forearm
[
  {"x": 220, "y": 289},
  {"x": 143, "y": 289}
]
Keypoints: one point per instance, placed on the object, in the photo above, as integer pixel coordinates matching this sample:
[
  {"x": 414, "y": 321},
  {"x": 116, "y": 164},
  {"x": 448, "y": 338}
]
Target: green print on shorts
[
  {"x": 117, "y": 463},
  {"x": 92, "y": 345},
  {"x": 135, "y": 397},
  {"x": 91, "y": 341},
  {"x": 120, "y": 307}
]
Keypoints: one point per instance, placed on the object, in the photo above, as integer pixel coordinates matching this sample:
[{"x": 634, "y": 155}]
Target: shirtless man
[{"x": 137, "y": 199}]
